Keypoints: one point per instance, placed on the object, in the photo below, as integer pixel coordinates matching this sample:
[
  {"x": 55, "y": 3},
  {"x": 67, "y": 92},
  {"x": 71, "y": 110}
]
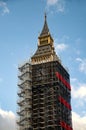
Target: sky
[{"x": 21, "y": 22}]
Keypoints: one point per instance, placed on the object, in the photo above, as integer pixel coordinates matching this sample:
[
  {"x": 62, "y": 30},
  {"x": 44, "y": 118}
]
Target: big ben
[{"x": 48, "y": 90}]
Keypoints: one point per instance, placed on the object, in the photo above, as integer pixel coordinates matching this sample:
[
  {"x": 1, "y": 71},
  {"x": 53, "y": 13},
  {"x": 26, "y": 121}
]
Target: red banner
[
  {"x": 63, "y": 101},
  {"x": 59, "y": 76},
  {"x": 66, "y": 126}
]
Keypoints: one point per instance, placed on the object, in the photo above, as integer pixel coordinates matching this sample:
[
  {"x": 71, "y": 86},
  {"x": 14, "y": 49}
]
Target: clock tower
[
  {"x": 51, "y": 90},
  {"x": 44, "y": 89}
]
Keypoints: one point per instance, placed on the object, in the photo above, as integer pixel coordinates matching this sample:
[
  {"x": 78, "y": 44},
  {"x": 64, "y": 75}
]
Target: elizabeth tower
[{"x": 44, "y": 89}]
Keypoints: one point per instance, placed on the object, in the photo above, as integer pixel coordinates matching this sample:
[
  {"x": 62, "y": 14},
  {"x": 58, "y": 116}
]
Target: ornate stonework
[{"x": 45, "y": 51}]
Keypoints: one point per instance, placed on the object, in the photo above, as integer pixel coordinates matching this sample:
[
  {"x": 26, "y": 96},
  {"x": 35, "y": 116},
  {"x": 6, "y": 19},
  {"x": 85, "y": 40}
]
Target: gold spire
[
  {"x": 45, "y": 51},
  {"x": 45, "y": 36},
  {"x": 45, "y": 30}
]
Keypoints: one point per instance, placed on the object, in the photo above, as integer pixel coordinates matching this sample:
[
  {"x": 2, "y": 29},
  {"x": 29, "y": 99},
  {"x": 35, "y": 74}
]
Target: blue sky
[{"x": 21, "y": 21}]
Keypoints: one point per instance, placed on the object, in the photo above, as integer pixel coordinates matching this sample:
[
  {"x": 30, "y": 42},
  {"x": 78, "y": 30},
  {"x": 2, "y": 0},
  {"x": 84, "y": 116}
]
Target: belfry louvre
[{"x": 44, "y": 89}]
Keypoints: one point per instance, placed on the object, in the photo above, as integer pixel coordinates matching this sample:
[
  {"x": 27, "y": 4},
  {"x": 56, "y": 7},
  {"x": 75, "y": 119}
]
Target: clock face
[{"x": 40, "y": 71}]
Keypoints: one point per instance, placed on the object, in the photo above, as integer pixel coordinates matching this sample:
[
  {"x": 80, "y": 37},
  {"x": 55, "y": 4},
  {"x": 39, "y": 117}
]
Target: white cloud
[
  {"x": 65, "y": 38},
  {"x": 79, "y": 123},
  {"x": 79, "y": 93},
  {"x": 61, "y": 47},
  {"x": 79, "y": 59},
  {"x": 7, "y": 120},
  {"x": 3, "y": 8},
  {"x": 58, "y": 4},
  {"x": 73, "y": 79},
  {"x": 52, "y": 2},
  {"x": 82, "y": 65}
]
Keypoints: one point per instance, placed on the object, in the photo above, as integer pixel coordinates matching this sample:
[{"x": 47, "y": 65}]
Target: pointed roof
[{"x": 45, "y": 30}]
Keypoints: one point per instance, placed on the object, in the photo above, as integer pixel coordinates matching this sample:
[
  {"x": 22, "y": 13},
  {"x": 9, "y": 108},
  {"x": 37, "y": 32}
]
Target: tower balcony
[
  {"x": 27, "y": 90},
  {"x": 24, "y": 103},
  {"x": 28, "y": 127},
  {"x": 26, "y": 70},
  {"x": 20, "y": 112},
  {"x": 27, "y": 97},
  {"x": 20, "y": 101},
  {"x": 26, "y": 85},
  {"x": 25, "y": 76},
  {"x": 24, "y": 117},
  {"x": 20, "y": 123},
  {"x": 25, "y": 79}
]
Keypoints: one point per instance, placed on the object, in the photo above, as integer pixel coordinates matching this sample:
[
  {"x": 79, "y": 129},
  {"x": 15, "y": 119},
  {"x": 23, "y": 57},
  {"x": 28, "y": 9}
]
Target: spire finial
[
  {"x": 45, "y": 30},
  {"x": 45, "y": 16}
]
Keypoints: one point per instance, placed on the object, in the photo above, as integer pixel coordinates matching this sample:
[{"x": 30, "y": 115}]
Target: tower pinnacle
[
  {"x": 45, "y": 30},
  {"x": 45, "y": 16}
]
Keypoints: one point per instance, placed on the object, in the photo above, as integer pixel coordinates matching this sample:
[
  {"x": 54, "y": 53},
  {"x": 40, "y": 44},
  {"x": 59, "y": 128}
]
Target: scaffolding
[
  {"x": 51, "y": 97},
  {"x": 25, "y": 97},
  {"x": 44, "y": 97}
]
